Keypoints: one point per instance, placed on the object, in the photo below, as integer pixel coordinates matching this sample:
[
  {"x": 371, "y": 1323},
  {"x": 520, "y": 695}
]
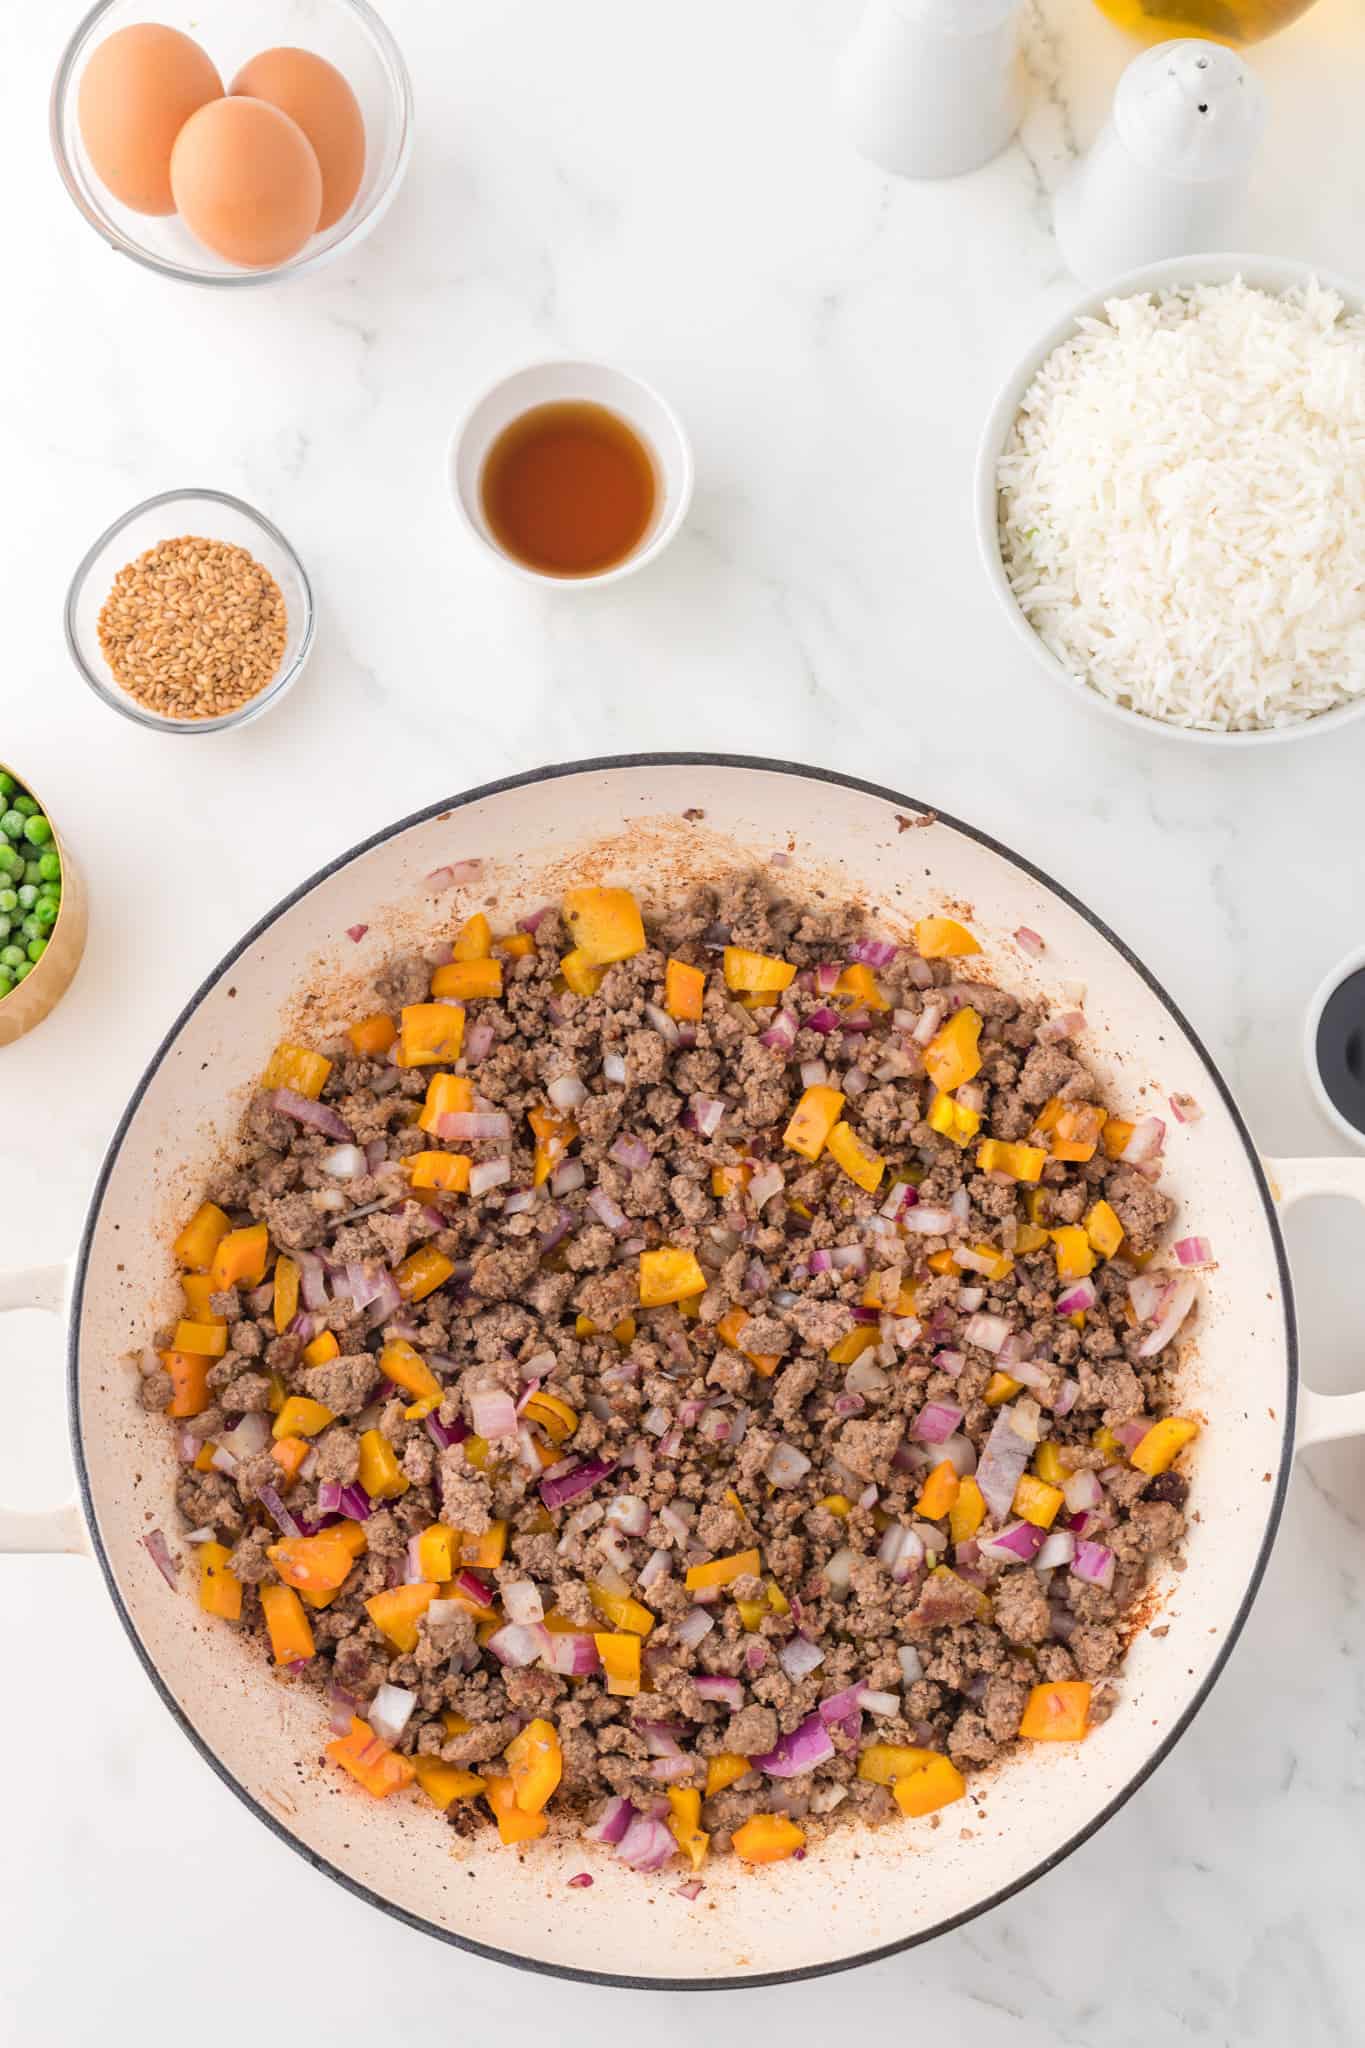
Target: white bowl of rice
[{"x": 1170, "y": 500}]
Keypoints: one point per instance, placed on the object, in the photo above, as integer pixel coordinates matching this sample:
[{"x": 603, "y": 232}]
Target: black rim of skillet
[{"x": 625, "y": 1980}]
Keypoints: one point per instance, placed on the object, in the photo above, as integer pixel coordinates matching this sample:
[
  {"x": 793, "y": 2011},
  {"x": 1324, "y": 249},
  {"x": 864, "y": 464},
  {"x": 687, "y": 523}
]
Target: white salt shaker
[
  {"x": 1169, "y": 172},
  {"x": 931, "y": 88}
]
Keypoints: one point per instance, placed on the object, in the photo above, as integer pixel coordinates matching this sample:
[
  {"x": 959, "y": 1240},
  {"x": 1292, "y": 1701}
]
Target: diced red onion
[
  {"x": 814, "y": 1074},
  {"x": 159, "y": 1552},
  {"x": 1082, "y": 1490},
  {"x": 607, "y": 1211},
  {"x": 781, "y": 1033},
  {"x": 390, "y": 1711},
  {"x": 823, "y": 1019},
  {"x": 960, "y": 1453},
  {"x": 927, "y": 1220},
  {"x": 765, "y": 1185},
  {"x": 911, "y": 1663},
  {"x": 936, "y": 1422},
  {"x": 900, "y": 1550},
  {"x": 882, "y": 1703},
  {"x": 251, "y": 1436},
  {"x": 1028, "y": 941},
  {"x": 1145, "y": 1291},
  {"x": 975, "y": 1261},
  {"x": 278, "y": 1512},
  {"x": 489, "y": 1173},
  {"x": 1194, "y": 1251},
  {"x": 1094, "y": 1563},
  {"x": 838, "y": 1570},
  {"x": 695, "y": 1624},
  {"x": 1001, "y": 1465},
  {"x": 1017, "y": 1543},
  {"x": 566, "y": 1091},
  {"x": 665, "y": 1025},
  {"x": 827, "y": 977},
  {"x": 987, "y": 1332},
  {"x": 522, "y": 1601},
  {"x": 343, "y": 1162},
  {"x": 205, "y": 1534},
  {"x": 873, "y": 952},
  {"x": 931, "y": 1016},
  {"x": 1069, "y": 1024},
  {"x": 1131, "y": 1432},
  {"x": 786, "y": 1465},
  {"x": 1185, "y": 1109},
  {"x": 1082, "y": 1294},
  {"x": 799, "y": 1657},
  {"x": 288, "y": 1102},
  {"x": 950, "y": 1362},
  {"x": 478, "y": 1043},
  {"x": 1059, "y": 1548},
  {"x": 467, "y": 1126},
  {"x": 724, "y": 1692},
  {"x": 568, "y": 1175},
  {"x": 614, "y": 1068},
  {"x": 517, "y": 1644},
  {"x": 647, "y": 1844},
  {"x": 849, "y": 1258},
  {"x": 803, "y": 1750},
  {"x": 969, "y": 1299},
  {"x": 556, "y": 1492},
  {"x": 580, "y": 1881},
  {"x": 493, "y": 1413},
  {"x": 840, "y": 1706},
  {"x": 1066, "y": 1397},
  {"x": 520, "y": 1200},
  {"x": 611, "y": 1824},
  {"x": 443, "y": 1434},
  {"x": 1174, "y": 1306},
  {"x": 632, "y": 1153},
  {"x": 1145, "y": 1142},
  {"x": 705, "y": 1115}
]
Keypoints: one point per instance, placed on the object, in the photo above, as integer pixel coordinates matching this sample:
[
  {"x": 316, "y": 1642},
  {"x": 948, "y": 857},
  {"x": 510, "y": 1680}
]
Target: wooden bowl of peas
[{"x": 42, "y": 910}]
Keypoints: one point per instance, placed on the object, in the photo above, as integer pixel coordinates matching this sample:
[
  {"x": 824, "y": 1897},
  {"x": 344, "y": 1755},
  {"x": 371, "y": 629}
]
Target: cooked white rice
[{"x": 1182, "y": 505}]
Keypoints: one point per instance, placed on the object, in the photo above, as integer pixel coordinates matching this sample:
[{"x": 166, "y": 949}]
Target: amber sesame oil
[{"x": 1225, "y": 21}]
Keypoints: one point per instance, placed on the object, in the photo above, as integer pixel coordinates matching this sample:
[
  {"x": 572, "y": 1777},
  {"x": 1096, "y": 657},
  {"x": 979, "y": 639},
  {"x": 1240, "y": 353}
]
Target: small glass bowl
[
  {"x": 347, "y": 32},
  {"x": 212, "y": 515}
]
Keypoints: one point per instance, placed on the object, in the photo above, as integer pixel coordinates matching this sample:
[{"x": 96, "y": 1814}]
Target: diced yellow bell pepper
[
  {"x": 853, "y": 1344},
  {"x": 200, "y": 1238},
  {"x": 323, "y": 1349},
  {"x": 952, "y": 1057},
  {"x": 860, "y": 983},
  {"x": 397, "y": 1612},
  {"x": 291, "y": 1455},
  {"x": 1073, "y": 1253},
  {"x": 1002, "y": 1263},
  {"x": 767, "y": 1838},
  {"x": 467, "y": 980},
  {"x": 729, "y": 1181},
  {"x": 318, "y": 1564},
  {"x": 620, "y": 1656},
  {"x": 1116, "y": 1133},
  {"x": 669, "y": 1275},
  {"x": 623, "y": 1333},
  {"x": 201, "y": 1340},
  {"x": 371, "y": 1762},
  {"x": 291, "y": 1636},
  {"x": 556, "y": 1417},
  {"x": 197, "y": 1289},
  {"x": 456, "y": 1723},
  {"x": 447, "y": 1095},
  {"x": 1077, "y": 1136},
  {"x": 487, "y": 1548},
  {"x": 939, "y": 1491},
  {"x": 777, "y": 1599},
  {"x": 812, "y": 1120},
  {"x": 1163, "y": 1442},
  {"x": 579, "y": 973},
  {"x": 432, "y": 1034},
  {"x": 724, "y": 1770},
  {"x": 372, "y": 1036},
  {"x": 944, "y": 1263},
  {"x": 535, "y": 1764},
  {"x": 1104, "y": 1230},
  {"x": 474, "y": 940},
  {"x": 294, "y": 1066},
  {"x": 730, "y": 1329},
  {"x": 1037, "y": 1502},
  {"x": 1000, "y": 1387},
  {"x": 967, "y": 1512},
  {"x": 239, "y": 1258},
  {"x": 720, "y": 1571},
  {"x": 1020, "y": 1162},
  {"x": 514, "y": 1825},
  {"x": 445, "y": 1783},
  {"x": 437, "y": 1546},
  {"x": 943, "y": 938},
  {"x": 476, "y": 1452},
  {"x": 684, "y": 991},
  {"x": 604, "y": 924},
  {"x": 448, "y": 1171},
  {"x": 410, "y": 1371},
  {"x": 219, "y": 1591},
  {"x": 1029, "y": 1238},
  {"x": 422, "y": 1272},
  {"x": 554, "y": 1135},
  {"x": 837, "y": 1504},
  {"x": 381, "y": 1475},
  {"x": 1047, "y": 1464},
  {"x": 300, "y": 1416},
  {"x": 620, "y": 1610},
  {"x": 751, "y": 1613},
  {"x": 684, "y": 1823},
  {"x": 859, "y": 1161},
  {"x": 934, "y": 1783},
  {"x": 757, "y": 973},
  {"x": 517, "y": 945},
  {"x": 1057, "y": 1712},
  {"x": 286, "y": 1300},
  {"x": 948, "y": 1117}
]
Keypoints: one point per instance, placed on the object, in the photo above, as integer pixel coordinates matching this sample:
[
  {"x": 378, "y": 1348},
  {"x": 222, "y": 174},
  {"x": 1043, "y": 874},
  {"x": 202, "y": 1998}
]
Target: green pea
[
  {"x": 23, "y": 970},
  {"x": 5, "y": 926},
  {"x": 32, "y": 872},
  {"x": 37, "y": 831},
  {"x": 50, "y": 867},
  {"x": 8, "y": 785},
  {"x": 36, "y": 949},
  {"x": 12, "y": 824},
  {"x": 47, "y": 915},
  {"x": 9, "y": 859},
  {"x": 6, "y": 982},
  {"x": 27, "y": 805},
  {"x": 31, "y": 928},
  {"x": 28, "y": 895},
  {"x": 8, "y": 901},
  {"x": 10, "y": 956}
]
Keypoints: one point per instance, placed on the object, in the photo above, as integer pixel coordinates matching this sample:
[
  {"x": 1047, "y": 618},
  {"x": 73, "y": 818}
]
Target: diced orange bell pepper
[
  {"x": 858, "y": 1160},
  {"x": 197, "y": 1289},
  {"x": 291, "y": 1454},
  {"x": 371, "y": 1762},
  {"x": 881, "y": 1763},
  {"x": 579, "y": 973},
  {"x": 554, "y": 1135},
  {"x": 294, "y": 1066},
  {"x": 321, "y": 1563},
  {"x": 556, "y": 1417},
  {"x": 189, "y": 1373},
  {"x": 720, "y": 1571},
  {"x": 199, "y": 1240},
  {"x": 620, "y": 1610},
  {"x": 204, "y": 1340},
  {"x": 944, "y": 1263},
  {"x": 939, "y": 1491},
  {"x": 844, "y": 1350},
  {"x": 487, "y": 1549},
  {"x": 372, "y": 1036},
  {"x": 446, "y": 1170},
  {"x": 952, "y": 1056},
  {"x": 943, "y": 938},
  {"x": 1077, "y": 1136},
  {"x": 381, "y": 1475},
  {"x": 730, "y": 1181},
  {"x": 239, "y": 1258},
  {"x": 756, "y": 973},
  {"x": 422, "y": 1272},
  {"x": 934, "y": 1783},
  {"x": 454, "y": 1722},
  {"x": 1117, "y": 1131},
  {"x": 432, "y": 1033},
  {"x": 219, "y": 1592},
  {"x": 514, "y": 1824},
  {"x": 286, "y": 1303},
  {"x": 1037, "y": 1502},
  {"x": 1104, "y": 1230},
  {"x": 620, "y": 1655},
  {"x": 447, "y": 1095},
  {"x": 724, "y": 1770},
  {"x": 1073, "y": 1253},
  {"x": 730, "y": 1329},
  {"x": 669, "y": 1275},
  {"x": 517, "y": 945},
  {"x": 1020, "y": 1162},
  {"x": 767, "y": 1838},
  {"x": 323, "y": 1349},
  {"x": 812, "y": 1120},
  {"x": 1002, "y": 1263},
  {"x": 684, "y": 1823},
  {"x": 684, "y": 991},
  {"x": 300, "y": 1416},
  {"x": 445, "y": 1783},
  {"x": 410, "y": 1371},
  {"x": 476, "y": 1452},
  {"x": 1163, "y": 1442},
  {"x": 468, "y": 979},
  {"x": 437, "y": 1552},
  {"x": 1057, "y": 1712},
  {"x": 967, "y": 1512},
  {"x": 203, "y": 1458},
  {"x": 397, "y": 1612},
  {"x": 291, "y": 1637},
  {"x": 1000, "y": 1387},
  {"x": 1048, "y": 1466},
  {"x": 474, "y": 940},
  {"x": 604, "y": 924},
  {"x": 535, "y": 1764},
  {"x": 948, "y": 1117},
  {"x": 860, "y": 983}
]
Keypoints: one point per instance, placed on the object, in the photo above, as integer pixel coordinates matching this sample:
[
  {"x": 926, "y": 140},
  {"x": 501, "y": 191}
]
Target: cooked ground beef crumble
[{"x": 641, "y": 1442}]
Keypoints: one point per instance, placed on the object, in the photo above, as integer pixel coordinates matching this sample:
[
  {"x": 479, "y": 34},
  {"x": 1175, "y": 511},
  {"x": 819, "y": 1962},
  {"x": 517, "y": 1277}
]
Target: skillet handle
[
  {"x": 54, "y": 1530},
  {"x": 1323, "y": 1418}
]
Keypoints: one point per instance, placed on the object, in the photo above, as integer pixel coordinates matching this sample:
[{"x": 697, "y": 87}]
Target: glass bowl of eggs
[{"x": 232, "y": 142}]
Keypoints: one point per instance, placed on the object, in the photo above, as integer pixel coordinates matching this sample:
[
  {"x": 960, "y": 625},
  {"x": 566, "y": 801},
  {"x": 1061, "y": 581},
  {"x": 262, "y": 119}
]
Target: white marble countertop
[{"x": 662, "y": 186}]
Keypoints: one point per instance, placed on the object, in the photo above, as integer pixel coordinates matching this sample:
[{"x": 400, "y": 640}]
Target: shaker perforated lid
[{"x": 1190, "y": 110}]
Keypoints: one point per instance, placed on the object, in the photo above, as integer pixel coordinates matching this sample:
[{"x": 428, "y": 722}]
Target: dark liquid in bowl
[
  {"x": 569, "y": 489},
  {"x": 1341, "y": 1048}
]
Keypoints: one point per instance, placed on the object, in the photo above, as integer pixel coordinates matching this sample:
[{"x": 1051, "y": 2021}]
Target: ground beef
[{"x": 713, "y": 1427}]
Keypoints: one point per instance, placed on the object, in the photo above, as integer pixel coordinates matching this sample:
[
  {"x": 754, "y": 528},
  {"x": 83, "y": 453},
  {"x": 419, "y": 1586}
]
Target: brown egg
[
  {"x": 138, "y": 90},
  {"x": 246, "y": 181},
  {"x": 314, "y": 93}
]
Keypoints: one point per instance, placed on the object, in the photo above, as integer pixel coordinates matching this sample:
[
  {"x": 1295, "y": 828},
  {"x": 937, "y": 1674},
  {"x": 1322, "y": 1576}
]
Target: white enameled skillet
[{"x": 635, "y": 820}]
